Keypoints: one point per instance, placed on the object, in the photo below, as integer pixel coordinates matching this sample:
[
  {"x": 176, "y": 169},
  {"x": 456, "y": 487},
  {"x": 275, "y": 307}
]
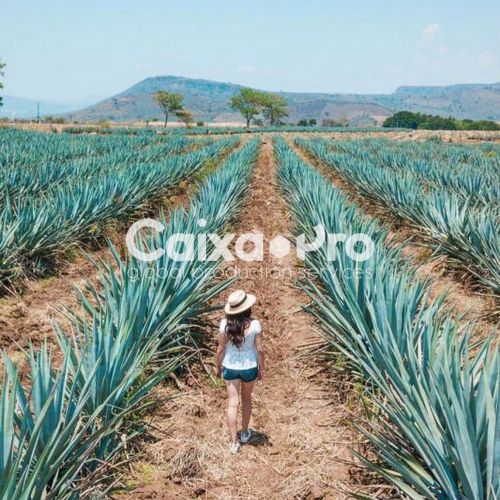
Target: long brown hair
[{"x": 236, "y": 324}]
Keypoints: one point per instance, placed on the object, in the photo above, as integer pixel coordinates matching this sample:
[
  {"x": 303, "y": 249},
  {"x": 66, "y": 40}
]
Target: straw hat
[{"x": 239, "y": 301}]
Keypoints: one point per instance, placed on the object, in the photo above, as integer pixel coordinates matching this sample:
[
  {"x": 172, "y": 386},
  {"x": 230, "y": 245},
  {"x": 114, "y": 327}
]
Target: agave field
[
  {"x": 449, "y": 192},
  {"x": 76, "y": 185},
  {"x": 438, "y": 398},
  {"x": 211, "y": 130},
  {"x": 430, "y": 428},
  {"x": 125, "y": 336}
]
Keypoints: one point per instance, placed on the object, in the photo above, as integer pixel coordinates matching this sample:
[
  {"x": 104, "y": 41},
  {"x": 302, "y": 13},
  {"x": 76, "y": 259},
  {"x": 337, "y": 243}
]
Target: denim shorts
[{"x": 248, "y": 375}]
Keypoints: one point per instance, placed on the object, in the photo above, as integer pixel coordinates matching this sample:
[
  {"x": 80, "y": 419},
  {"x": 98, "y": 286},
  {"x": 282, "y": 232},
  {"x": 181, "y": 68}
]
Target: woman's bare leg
[
  {"x": 246, "y": 404},
  {"x": 233, "y": 400}
]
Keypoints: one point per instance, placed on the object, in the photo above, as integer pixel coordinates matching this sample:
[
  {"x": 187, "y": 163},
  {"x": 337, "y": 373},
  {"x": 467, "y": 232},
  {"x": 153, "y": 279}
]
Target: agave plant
[
  {"x": 455, "y": 207},
  {"x": 46, "y": 438},
  {"x": 8, "y": 268},
  {"x": 42, "y": 225},
  {"x": 438, "y": 395},
  {"x": 33, "y": 162},
  {"x": 128, "y": 334}
]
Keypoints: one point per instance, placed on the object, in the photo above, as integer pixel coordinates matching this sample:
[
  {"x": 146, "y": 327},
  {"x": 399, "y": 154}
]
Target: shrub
[
  {"x": 104, "y": 124},
  {"x": 407, "y": 119}
]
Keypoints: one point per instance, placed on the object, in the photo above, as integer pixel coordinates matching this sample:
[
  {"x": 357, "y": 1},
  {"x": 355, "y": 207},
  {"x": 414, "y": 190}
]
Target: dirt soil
[
  {"x": 29, "y": 315},
  {"x": 302, "y": 436}
]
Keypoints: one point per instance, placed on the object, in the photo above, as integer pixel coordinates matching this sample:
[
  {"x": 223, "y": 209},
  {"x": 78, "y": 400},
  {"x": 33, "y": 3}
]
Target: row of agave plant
[
  {"x": 126, "y": 335},
  {"x": 35, "y": 229},
  {"x": 138, "y": 131},
  {"x": 458, "y": 222},
  {"x": 436, "y": 395},
  {"x": 32, "y": 166},
  {"x": 24, "y": 148},
  {"x": 438, "y": 165}
]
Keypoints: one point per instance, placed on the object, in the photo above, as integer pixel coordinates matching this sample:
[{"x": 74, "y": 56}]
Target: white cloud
[
  {"x": 430, "y": 32},
  {"x": 428, "y": 49}
]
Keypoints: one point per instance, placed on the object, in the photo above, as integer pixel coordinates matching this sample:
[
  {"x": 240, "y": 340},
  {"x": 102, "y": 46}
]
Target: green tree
[
  {"x": 304, "y": 122},
  {"x": 404, "y": 119},
  {"x": 431, "y": 122},
  {"x": 168, "y": 102},
  {"x": 248, "y": 102},
  {"x": 2, "y": 73},
  {"x": 274, "y": 108},
  {"x": 185, "y": 116},
  {"x": 479, "y": 125}
]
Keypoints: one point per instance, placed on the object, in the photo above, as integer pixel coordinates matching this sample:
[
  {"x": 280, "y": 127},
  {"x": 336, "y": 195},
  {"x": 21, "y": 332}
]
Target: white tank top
[{"x": 245, "y": 356}]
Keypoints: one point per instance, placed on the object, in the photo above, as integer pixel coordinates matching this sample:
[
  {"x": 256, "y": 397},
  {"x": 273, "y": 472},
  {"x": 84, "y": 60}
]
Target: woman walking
[{"x": 240, "y": 361}]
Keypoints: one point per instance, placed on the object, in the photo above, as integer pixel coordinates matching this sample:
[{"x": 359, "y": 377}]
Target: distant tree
[
  {"x": 407, "y": 119},
  {"x": 403, "y": 119},
  {"x": 2, "y": 73},
  {"x": 479, "y": 125},
  {"x": 168, "y": 102},
  {"x": 258, "y": 122},
  {"x": 248, "y": 102},
  {"x": 437, "y": 123},
  {"x": 307, "y": 122},
  {"x": 331, "y": 123},
  {"x": 274, "y": 108},
  {"x": 185, "y": 116}
]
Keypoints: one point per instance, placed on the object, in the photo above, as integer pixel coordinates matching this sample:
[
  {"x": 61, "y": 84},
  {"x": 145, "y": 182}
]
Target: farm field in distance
[{"x": 383, "y": 375}]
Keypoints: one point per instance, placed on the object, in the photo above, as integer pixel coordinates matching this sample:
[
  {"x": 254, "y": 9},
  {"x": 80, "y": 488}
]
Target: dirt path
[
  {"x": 461, "y": 293},
  {"x": 301, "y": 438}
]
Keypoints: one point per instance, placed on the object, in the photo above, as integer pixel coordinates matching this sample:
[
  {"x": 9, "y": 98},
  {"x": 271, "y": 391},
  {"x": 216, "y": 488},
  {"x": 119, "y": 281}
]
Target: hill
[
  {"x": 209, "y": 102},
  {"x": 474, "y": 101}
]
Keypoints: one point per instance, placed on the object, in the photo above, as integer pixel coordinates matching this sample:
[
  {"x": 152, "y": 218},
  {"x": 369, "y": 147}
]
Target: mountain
[
  {"x": 22, "y": 107},
  {"x": 475, "y": 101},
  {"x": 208, "y": 100}
]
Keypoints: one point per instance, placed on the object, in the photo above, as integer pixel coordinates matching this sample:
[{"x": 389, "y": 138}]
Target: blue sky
[{"x": 68, "y": 50}]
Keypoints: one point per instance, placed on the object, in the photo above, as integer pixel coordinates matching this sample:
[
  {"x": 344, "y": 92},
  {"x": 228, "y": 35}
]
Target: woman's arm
[
  {"x": 260, "y": 354},
  {"x": 220, "y": 354}
]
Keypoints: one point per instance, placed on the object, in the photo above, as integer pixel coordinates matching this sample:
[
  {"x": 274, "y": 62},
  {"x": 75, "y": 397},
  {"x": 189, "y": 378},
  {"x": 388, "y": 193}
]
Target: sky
[{"x": 64, "y": 50}]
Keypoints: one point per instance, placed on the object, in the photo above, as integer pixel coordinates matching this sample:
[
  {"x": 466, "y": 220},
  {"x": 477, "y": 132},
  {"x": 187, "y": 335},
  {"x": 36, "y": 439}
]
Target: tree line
[
  {"x": 249, "y": 103},
  {"x": 407, "y": 119}
]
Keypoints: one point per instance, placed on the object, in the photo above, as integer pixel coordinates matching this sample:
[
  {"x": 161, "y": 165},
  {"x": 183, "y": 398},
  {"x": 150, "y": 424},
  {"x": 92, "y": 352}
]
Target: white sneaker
[
  {"x": 245, "y": 437},
  {"x": 234, "y": 447}
]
